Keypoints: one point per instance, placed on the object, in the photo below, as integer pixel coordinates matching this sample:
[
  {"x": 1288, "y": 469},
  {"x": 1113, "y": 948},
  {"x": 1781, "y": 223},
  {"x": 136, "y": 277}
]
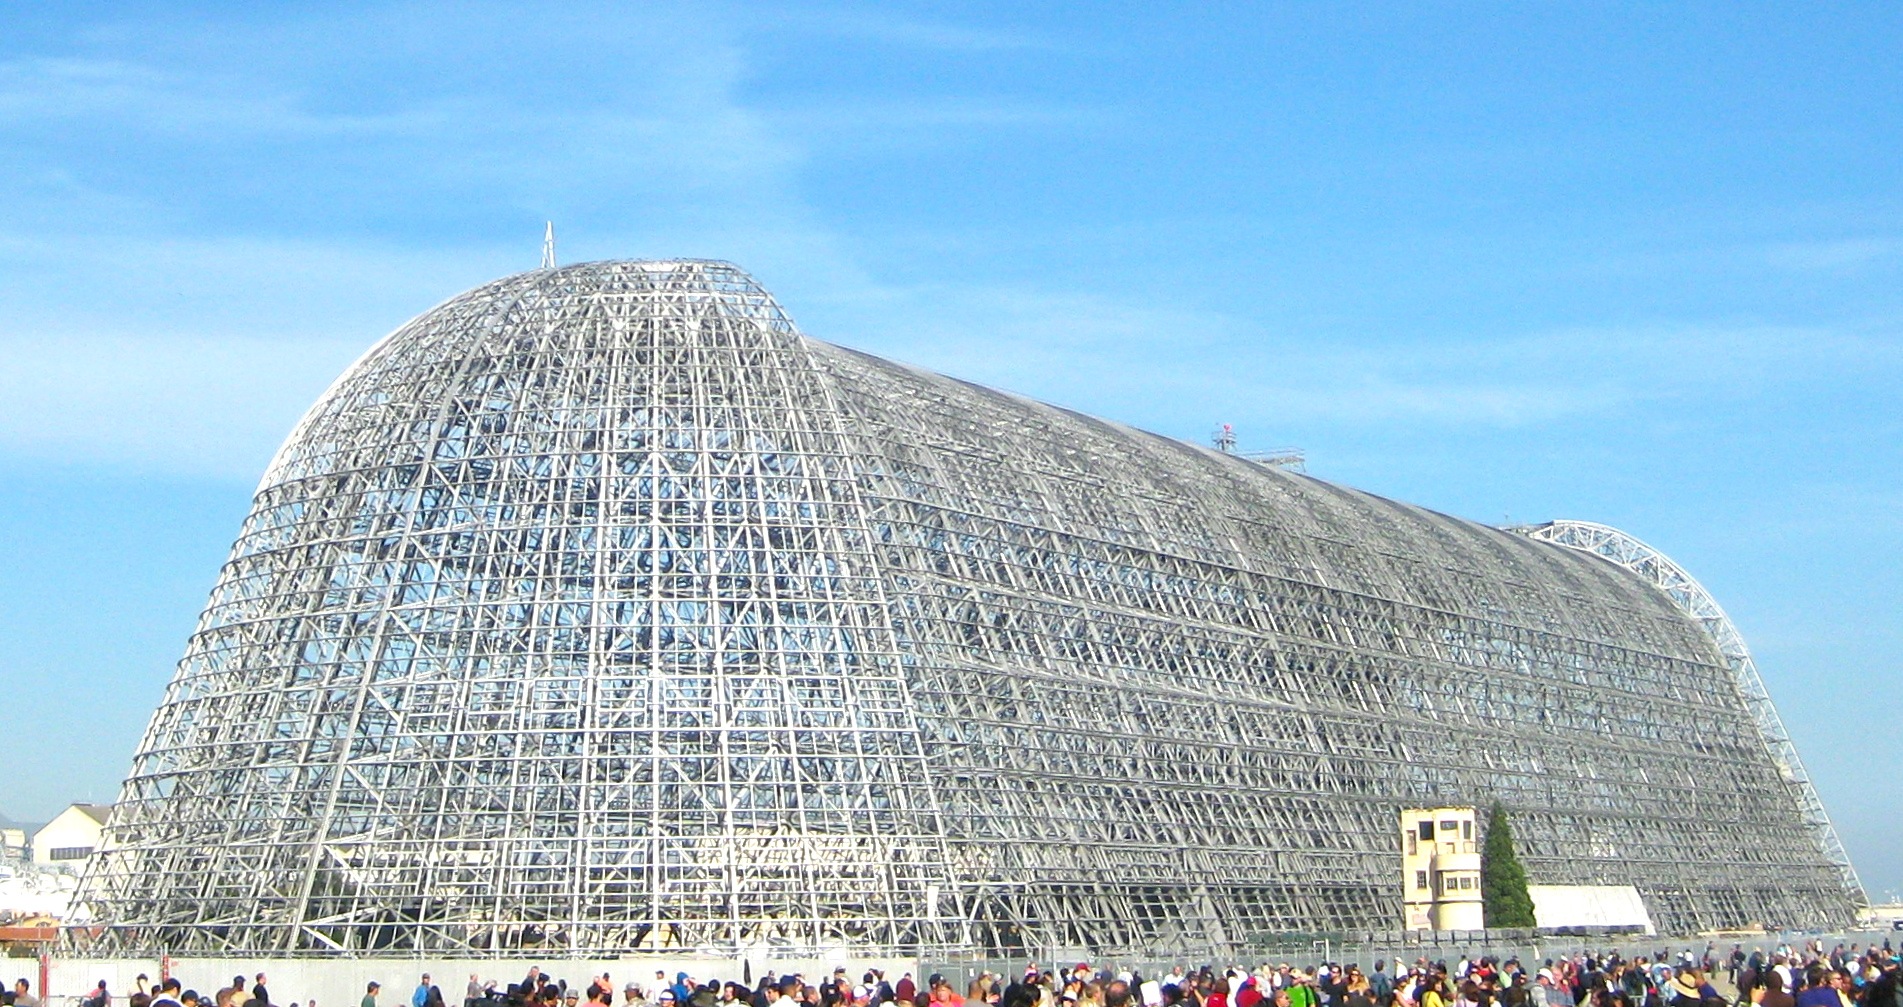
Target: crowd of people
[
  {"x": 1843, "y": 976},
  {"x": 166, "y": 992}
]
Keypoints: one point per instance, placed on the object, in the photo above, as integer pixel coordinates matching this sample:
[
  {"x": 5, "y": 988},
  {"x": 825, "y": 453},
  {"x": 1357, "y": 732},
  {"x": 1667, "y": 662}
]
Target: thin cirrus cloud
[
  {"x": 885, "y": 27},
  {"x": 1079, "y": 349},
  {"x": 264, "y": 313},
  {"x": 154, "y": 99},
  {"x": 194, "y": 352},
  {"x": 191, "y": 356},
  {"x": 1547, "y": 377},
  {"x": 1844, "y": 254},
  {"x": 216, "y": 402},
  {"x": 706, "y": 132},
  {"x": 677, "y": 132},
  {"x": 203, "y": 407}
]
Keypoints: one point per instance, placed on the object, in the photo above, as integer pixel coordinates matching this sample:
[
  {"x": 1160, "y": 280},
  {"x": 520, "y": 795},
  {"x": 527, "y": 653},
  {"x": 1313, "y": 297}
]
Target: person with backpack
[
  {"x": 1634, "y": 984},
  {"x": 1381, "y": 985}
]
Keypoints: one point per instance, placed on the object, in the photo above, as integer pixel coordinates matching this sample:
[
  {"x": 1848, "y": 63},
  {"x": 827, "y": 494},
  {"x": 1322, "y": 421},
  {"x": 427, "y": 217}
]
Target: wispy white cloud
[
  {"x": 1814, "y": 257},
  {"x": 192, "y": 355},
  {"x": 205, "y": 407},
  {"x": 874, "y": 24},
  {"x": 696, "y": 125},
  {"x": 212, "y": 383},
  {"x": 60, "y": 285},
  {"x": 1832, "y": 255},
  {"x": 135, "y": 337},
  {"x": 1549, "y": 376},
  {"x": 1082, "y": 349},
  {"x": 695, "y": 165},
  {"x": 151, "y": 98},
  {"x": 885, "y": 120}
]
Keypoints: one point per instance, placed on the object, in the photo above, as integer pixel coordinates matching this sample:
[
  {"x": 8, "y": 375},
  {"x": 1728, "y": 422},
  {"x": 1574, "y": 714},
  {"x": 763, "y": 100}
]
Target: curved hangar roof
[{"x": 598, "y": 608}]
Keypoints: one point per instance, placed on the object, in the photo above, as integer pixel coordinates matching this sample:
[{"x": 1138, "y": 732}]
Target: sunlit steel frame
[
  {"x": 1698, "y": 604},
  {"x": 598, "y": 611}
]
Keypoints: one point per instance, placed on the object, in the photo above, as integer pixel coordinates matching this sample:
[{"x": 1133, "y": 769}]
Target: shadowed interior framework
[{"x": 598, "y": 609}]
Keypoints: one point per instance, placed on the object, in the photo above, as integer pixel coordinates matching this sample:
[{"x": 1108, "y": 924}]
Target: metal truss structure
[
  {"x": 1697, "y": 603},
  {"x": 598, "y": 610}
]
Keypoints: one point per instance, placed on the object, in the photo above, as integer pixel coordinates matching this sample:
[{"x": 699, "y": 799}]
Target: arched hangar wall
[
  {"x": 598, "y": 608},
  {"x": 1223, "y": 677}
]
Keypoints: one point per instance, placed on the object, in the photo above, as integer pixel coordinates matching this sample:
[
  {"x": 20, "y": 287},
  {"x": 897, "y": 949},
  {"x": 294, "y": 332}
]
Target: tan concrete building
[
  {"x": 71, "y": 837},
  {"x": 1440, "y": 869}
]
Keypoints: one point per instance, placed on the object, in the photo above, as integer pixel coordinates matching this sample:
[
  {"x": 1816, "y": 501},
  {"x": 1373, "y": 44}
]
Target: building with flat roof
[
  {"x": 1440, "y": 870},
  {"x": 72, "y": 836},
  {"x": 598, "y": 609}
]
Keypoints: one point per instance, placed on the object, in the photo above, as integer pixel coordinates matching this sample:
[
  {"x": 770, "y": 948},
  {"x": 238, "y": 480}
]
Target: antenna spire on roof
[
  {"x": 548, "y": 246},
  {"x": 1293, "y": 459}
]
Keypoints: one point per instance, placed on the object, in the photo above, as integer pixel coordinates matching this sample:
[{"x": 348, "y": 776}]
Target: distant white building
[
  {"x": 1882, "y": 916},
  {"x": 1599, "y": 907},
  {"x": 71, "y": 836}
]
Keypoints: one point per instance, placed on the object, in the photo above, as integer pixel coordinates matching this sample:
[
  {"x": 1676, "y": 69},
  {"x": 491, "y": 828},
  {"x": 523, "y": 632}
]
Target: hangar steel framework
[
  {"x": 598, "y": 610},
  {"x": 1698, "y": 604}
]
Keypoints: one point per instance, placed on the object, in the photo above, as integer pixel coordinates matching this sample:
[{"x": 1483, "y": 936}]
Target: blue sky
[{"x": 1637, "y": 264}]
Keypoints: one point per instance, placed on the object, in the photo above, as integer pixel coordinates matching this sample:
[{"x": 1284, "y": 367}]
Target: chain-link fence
[{"x": 1403, "y": 947}]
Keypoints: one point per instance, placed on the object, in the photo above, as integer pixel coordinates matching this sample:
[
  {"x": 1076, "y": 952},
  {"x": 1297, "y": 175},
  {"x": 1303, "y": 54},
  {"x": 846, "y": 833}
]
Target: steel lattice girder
[
  {"x": 599, "y": 610},
  {"x": 1697, "y": 603}
]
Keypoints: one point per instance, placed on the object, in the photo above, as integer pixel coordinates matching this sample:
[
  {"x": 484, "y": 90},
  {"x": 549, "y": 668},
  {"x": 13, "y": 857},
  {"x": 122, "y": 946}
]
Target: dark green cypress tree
[{"x": 1504, "y": 901}]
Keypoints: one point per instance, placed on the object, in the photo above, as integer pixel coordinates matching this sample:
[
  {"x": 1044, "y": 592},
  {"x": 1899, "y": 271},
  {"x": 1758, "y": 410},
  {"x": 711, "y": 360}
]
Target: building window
[
  {"x": 1413, "y": 844},
  {"x": 1420, "y": 879},
  {"x": 1427, "y": 832},
  {"x": 1447, "y": 826},
  {"x": 1467, "y": 830},
  {"x": 69, "y": 853},
  {"x": 1466, "y": 884}
]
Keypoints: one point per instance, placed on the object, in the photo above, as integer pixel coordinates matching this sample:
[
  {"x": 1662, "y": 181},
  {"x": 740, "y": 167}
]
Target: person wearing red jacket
[{"x": 1248, "y": 995}]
